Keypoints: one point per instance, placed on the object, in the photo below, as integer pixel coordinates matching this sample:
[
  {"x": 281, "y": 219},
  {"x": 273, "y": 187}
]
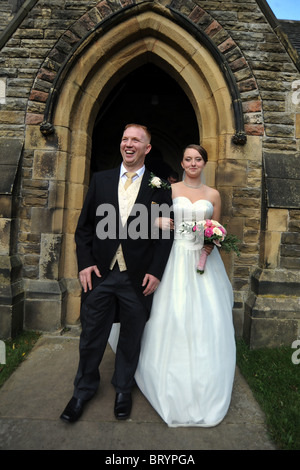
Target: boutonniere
[{"x": 156, "y": 182}]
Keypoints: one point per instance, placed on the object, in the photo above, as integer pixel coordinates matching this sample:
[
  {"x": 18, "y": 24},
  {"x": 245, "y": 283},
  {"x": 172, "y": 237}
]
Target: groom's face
[{"x": 134, "y": 147}]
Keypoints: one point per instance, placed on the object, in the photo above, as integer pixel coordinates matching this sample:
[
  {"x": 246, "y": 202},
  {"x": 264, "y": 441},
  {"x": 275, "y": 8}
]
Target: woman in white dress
[{"x": 187, "y": 361}]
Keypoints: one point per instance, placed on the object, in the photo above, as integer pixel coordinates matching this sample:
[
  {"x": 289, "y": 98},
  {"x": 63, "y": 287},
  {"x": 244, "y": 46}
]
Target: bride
[{"x": 187, "y": 361}]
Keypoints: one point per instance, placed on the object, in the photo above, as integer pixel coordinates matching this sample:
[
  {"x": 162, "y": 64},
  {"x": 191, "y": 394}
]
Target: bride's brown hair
[{"x": 200, "y": 150}]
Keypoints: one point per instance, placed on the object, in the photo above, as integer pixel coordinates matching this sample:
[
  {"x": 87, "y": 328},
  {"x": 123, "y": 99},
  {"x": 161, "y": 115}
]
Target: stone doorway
[
  {"x": 151, "y": 97},
  {"x": 147, "y": 53}
]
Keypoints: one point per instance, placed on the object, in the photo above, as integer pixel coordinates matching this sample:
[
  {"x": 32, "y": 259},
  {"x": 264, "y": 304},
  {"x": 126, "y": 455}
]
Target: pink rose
[{"x": 209, "y": 232}]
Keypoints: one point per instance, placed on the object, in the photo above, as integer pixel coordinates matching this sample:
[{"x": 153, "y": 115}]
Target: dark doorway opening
[{"x": 147, "y": 96}]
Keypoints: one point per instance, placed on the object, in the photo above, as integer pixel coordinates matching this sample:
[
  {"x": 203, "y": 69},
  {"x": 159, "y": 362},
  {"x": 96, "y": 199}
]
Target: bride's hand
[
  {"x": 208, "y": 249},
  {"x": 164, "y": 223}
]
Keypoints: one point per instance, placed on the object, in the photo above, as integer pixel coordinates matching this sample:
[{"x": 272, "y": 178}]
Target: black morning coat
[{"x": 142, "y": 255}]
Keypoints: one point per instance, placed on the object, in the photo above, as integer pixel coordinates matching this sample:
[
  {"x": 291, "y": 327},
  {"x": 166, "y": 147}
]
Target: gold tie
[{"x": 129, "y": 179}]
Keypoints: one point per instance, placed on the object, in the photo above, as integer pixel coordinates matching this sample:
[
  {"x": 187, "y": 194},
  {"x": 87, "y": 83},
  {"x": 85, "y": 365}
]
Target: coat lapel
[
  {"x": 111, "y": 186},
  {"x": 145, "y": 191}
]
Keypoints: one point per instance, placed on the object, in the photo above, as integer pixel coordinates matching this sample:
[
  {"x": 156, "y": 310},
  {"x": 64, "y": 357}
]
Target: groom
[{"x": 118, "y": 274}]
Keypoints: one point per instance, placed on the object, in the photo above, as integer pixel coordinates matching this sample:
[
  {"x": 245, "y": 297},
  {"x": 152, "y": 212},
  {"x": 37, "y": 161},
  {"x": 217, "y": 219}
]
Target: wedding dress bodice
[{"x": 189, "y": 212}]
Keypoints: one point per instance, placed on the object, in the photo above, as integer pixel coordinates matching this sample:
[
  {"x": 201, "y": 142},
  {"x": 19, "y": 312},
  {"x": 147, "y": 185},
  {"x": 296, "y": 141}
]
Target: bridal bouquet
[{"x": 213, "y": 233}]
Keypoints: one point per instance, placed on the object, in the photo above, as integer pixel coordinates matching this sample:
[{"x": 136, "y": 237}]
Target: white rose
[
  {"x": 217, "y": 231},
  {"x": 156, "y": 182}
]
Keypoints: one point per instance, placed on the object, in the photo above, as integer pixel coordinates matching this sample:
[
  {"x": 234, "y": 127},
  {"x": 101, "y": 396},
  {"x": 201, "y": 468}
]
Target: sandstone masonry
[{"x": 45, "y": 161}]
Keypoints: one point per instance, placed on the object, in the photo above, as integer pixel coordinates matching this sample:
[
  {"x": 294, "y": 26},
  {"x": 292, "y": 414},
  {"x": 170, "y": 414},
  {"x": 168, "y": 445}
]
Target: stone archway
[
  {"x": 147, "y": 37},
  {"x": 163, "y": 43}
]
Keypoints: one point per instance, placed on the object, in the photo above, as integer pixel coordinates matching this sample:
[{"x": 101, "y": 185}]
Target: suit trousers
[{"x": 97, "y": 316}]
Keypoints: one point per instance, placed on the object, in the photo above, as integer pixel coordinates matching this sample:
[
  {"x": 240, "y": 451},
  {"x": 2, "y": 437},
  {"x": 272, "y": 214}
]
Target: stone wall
[
  {"x": 6, "y": 14},
  {"x": 259, "y": 181}
]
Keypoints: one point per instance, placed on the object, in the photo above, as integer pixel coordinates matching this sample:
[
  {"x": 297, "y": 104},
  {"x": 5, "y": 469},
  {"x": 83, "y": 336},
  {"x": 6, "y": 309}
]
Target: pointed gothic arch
[{"x": 188, "y": 23}]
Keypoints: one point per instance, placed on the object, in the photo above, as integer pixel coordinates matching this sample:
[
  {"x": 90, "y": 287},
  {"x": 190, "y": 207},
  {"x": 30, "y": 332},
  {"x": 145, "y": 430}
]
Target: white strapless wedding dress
[{"x": 187, "y": 361}]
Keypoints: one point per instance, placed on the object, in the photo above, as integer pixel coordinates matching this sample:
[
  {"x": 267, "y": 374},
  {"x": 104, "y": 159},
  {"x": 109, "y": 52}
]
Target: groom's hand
[
  {"x": 151, "y": 282},
  {"x": 85, "y": 277}
]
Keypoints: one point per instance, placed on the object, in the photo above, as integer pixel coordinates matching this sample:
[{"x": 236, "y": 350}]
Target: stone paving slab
[{"x": 33, "y": 398}]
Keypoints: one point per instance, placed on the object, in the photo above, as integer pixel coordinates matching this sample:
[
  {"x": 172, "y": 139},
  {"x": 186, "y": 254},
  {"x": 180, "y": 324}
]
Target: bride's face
[{"x": 192, "y": 163}]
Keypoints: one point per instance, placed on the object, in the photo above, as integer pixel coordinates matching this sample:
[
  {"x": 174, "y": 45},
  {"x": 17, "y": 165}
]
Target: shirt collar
[{"x": 139, "y": 172}]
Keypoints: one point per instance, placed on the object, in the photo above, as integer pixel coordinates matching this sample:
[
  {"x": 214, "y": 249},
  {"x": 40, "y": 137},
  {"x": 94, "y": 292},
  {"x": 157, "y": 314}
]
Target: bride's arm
[
  {"x": 216, "y": 200},
  {"x": 164, "y": 223}
]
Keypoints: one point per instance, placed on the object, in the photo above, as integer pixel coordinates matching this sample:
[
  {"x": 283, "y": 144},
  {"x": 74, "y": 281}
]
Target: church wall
[{"x": 258, "y": 181}]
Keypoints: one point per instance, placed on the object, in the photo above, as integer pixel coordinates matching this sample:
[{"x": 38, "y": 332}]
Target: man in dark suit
[{"x": 120, "y": 266}]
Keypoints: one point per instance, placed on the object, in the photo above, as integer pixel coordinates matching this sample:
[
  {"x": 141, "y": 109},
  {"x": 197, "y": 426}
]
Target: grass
[
  {"x": 275, "y": 383},
  {"x": 17, "y": 350}
]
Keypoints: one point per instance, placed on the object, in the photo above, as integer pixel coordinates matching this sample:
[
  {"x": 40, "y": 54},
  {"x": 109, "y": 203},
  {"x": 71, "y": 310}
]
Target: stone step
[
  {"x": 271, "y": 322},
  {"x": 282, "y": 282},
  {"x": 274, "y": 307}
]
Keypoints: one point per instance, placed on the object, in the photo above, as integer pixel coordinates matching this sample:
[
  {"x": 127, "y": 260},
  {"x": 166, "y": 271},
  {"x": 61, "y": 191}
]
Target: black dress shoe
[
  {"x": 73, "y": 410},
  {"x": 123, "y": 404}
]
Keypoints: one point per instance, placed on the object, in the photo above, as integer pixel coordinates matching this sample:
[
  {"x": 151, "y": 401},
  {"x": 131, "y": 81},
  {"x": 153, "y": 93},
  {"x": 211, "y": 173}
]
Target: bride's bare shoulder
[
  {"x": 176, "y": 185},
  {"x": 176, "y": 188},
  {"x": 212, "y": 192}
]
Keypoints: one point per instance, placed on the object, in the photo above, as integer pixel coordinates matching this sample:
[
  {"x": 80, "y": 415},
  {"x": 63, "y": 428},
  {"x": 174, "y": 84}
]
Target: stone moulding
[
  {"x": 240, "y": 137},
  {"x": 47, "y": 128}
]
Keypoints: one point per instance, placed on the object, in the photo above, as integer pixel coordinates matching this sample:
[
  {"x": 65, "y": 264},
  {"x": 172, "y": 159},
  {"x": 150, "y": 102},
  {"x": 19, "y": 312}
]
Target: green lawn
[
  {"x": 274, "y": 379},
  {"x": 17, "y": 350}
]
